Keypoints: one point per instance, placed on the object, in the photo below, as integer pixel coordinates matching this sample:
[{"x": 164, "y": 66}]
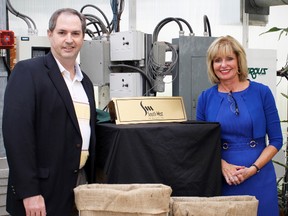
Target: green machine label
[{"x": 257, "y": 71}]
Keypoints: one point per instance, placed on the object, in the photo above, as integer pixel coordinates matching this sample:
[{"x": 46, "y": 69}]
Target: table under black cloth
[{"x": 185, "y": 156}]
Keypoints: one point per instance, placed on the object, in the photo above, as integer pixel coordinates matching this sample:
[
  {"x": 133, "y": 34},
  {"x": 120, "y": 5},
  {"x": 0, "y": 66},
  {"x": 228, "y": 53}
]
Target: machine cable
[
  {"x": 27, "y": 19},
  {"x": 206, "y": 26}
]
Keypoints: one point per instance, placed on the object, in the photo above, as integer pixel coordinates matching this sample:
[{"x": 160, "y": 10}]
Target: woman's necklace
[
  {"x": 224, "y": 89},
  {"x": 238, "y": 86}
]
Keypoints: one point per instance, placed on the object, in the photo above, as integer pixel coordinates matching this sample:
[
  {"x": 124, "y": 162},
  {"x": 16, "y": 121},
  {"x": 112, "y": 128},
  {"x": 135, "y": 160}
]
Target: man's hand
[{"x": 34, "y": 206}]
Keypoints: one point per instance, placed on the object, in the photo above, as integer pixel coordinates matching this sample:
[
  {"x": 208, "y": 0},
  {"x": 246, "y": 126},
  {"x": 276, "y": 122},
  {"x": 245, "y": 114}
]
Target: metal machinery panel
[
  {"x": 127, "y": 46},
  {"x": 125, "y": 85},
  {"x": 31, "y": 47},
  {"x": 190, "y": 77},
  {"x": 94, "y": 59}
]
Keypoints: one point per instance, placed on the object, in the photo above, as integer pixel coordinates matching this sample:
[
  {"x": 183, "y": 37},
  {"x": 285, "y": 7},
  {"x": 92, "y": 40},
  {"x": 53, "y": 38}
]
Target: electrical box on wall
[
  {"x": 94, "y": 59},
  {"x": 190, "y": 77},
  {"x": 127, "y": 46},
  {"x": 31, "y": 47},
  {"x": 125, "y": 85}
]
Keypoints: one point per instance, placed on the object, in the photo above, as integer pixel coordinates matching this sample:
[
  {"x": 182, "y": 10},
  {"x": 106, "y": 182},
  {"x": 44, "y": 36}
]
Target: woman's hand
[
  {"x": 234, "y": 174},
  {"x": 229, "y": 170}
]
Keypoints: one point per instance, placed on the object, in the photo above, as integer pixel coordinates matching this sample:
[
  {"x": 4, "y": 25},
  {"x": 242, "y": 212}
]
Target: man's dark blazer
[{"x": 42, "y": 136}]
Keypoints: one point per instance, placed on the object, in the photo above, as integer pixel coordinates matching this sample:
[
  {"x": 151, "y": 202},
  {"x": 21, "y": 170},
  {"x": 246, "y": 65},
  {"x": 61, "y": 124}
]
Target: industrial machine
[{"x": 134, "y": 63}]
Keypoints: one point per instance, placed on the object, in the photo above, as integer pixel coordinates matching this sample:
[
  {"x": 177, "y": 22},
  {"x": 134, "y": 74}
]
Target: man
[{"x": 49, "y": 123}]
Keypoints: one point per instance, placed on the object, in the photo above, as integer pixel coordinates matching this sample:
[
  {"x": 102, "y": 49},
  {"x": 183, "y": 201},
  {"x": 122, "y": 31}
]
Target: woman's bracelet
[{"x": 257, "y": 168}]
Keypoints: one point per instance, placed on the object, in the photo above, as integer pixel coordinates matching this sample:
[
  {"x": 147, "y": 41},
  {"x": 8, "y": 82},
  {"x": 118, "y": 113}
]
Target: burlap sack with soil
[
  {"x": 123, "y": 199},
  {"x": 214, "y": 206}
]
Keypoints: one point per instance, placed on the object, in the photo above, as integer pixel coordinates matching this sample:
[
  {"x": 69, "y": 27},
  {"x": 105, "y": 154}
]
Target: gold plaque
[{"x": 133, "y": 110}]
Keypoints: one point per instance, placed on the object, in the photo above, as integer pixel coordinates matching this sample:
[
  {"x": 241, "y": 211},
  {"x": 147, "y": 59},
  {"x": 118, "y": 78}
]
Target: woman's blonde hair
[{"x": 226, "y": 45}]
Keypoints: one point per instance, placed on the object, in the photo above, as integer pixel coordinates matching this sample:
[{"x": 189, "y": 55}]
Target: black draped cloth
[{"x": 185, "y": 156}]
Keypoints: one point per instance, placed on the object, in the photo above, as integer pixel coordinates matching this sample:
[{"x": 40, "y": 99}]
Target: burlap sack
[
  {"x": 214, "y": 206},
  {"x": 122, "y": 199}
]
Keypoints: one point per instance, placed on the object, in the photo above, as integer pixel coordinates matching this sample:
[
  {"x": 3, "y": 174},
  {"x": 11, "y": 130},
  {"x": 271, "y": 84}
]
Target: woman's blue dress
[{"x": 239, "y": 148}]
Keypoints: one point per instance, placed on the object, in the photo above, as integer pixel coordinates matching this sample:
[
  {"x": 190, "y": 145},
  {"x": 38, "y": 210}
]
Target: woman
[{"x": 247, "y": 113}]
